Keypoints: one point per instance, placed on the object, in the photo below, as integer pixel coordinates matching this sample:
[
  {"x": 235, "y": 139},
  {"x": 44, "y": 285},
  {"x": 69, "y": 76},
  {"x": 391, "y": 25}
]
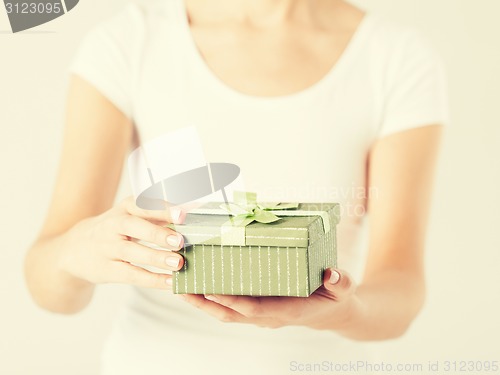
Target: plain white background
[{"x": 460, "y": 320}]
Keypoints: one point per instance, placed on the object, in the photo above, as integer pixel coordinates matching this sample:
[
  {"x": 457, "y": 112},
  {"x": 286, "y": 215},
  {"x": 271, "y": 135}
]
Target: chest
[{"x": 271, "y": 63}]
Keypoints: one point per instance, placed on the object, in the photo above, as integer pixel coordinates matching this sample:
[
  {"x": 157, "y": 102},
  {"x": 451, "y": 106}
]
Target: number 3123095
[{"x": 33, "y": 8}]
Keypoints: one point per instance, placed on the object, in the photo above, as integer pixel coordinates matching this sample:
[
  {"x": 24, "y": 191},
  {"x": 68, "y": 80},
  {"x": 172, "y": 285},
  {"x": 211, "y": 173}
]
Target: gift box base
[{"x": 255, "y": 270}]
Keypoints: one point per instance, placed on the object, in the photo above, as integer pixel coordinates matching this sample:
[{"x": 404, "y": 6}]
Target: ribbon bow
[{"x": 246, "y": 210}]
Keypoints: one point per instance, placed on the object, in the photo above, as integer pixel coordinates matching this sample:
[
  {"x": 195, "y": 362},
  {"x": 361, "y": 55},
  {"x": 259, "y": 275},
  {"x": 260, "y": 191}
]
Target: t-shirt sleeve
[
  {"x": 416, "y": 88},
  {"x": 107, "y": 55}
]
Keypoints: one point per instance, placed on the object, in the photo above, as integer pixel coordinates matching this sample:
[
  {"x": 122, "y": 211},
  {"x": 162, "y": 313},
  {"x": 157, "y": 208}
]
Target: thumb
[{"x": 339, "y": 284}]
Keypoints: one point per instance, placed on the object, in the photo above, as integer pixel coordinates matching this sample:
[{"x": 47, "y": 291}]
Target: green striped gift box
[{"x": 284, "y": 258}]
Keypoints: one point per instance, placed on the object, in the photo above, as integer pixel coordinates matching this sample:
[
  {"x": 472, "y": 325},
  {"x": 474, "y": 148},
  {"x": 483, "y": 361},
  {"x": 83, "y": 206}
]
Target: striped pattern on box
[{"x": 256, "y": 270}]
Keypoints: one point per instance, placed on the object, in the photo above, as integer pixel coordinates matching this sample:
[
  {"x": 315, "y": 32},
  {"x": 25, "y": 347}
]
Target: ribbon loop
[
  {"x": 245, "y": 198},
  {"x": 246, "y": 210}
]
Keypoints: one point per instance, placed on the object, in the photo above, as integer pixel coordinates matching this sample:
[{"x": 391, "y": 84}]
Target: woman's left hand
[{"x": 330, "y": 307}]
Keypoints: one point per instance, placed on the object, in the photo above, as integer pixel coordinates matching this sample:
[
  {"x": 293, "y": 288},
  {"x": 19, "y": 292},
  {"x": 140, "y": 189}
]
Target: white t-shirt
[{"x": 144, "y": 60}]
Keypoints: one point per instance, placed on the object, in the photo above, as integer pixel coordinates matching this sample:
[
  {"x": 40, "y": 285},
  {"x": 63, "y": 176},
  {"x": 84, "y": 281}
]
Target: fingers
[
  {"x": 121, "y": 272},
  {"x": 171, "y": 214},
  {"x": 141, "y": 229},
  {"x": 220, "y": 312},
  {"x": 338, "y": 284},
  {"x": 262, "y": 307},
  {"x": 132, "y": 252},
  {"x": 249, "y": 307},
  {"x": 229, "y": 315}
]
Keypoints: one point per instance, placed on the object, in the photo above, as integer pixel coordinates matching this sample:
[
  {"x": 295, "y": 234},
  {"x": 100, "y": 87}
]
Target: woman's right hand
[{"x": 102, "y": 249}]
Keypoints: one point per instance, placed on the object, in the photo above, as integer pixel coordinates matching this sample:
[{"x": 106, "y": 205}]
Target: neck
[{"x": 257, "y": 13}]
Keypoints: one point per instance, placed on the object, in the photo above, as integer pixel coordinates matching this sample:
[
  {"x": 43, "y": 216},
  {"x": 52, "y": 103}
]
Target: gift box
[{"x": 261, "y": 250}]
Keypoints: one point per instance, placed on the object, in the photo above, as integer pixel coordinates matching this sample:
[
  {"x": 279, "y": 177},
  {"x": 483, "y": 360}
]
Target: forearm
[
  {"x": 51, "y": 287},
  {"x": 383, "y": 307}
]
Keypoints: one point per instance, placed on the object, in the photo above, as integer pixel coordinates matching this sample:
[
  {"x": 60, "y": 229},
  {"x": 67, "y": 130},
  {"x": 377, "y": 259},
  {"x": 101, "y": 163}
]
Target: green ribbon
[{"x": 246, "y": 210}]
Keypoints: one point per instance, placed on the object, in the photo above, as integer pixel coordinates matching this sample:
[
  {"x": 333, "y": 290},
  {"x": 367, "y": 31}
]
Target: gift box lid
[{"x": 290, "y": 231}]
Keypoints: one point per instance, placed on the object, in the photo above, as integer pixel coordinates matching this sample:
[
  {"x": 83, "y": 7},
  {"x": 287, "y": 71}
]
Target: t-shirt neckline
[{"x": 224, "y": 89}]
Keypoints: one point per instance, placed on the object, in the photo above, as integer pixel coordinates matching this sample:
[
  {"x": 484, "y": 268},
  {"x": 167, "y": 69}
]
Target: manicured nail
[
  {"x": 334, "y": 277},
  {"x": 175, "y": 214},
  {"x": 211, "y": 298},
  {"x": 172, "y": 262},
  {"x": 174, "y": 240},
  {"x": 169, "y": 281}
]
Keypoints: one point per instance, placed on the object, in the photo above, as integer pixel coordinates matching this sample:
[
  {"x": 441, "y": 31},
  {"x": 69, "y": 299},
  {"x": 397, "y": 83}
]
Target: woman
[{"x": 315, "y": 101}]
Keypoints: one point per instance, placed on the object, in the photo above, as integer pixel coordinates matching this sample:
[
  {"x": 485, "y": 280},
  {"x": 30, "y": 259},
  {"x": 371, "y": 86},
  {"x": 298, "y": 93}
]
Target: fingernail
[
  {"x": 169, "y": 281},
  {"x": 211, "y": 298},
  {"x": 175, "y": 214},
  {"x": 334, "y": 277},
  {"x": 174, "y": 240},
  {"x": 172, "y": 262}
]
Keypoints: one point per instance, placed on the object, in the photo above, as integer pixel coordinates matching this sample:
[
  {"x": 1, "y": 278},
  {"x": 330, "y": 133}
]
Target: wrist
[
  {"x": 352, "y": 316},
  {"x": 51, "y": 286},
  {"x": 341, "y": 317},
  {"x": 68, "y": 262}
]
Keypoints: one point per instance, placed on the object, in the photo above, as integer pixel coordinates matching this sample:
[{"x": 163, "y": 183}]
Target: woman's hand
[
  {"x": 331, "y": 307},
  {"x": 102, "y": 249}
]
